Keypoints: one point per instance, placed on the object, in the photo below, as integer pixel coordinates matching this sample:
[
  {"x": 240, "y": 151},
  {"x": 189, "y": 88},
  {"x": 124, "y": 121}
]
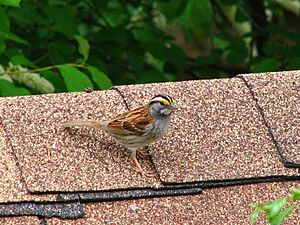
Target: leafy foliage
[
  {"x": 275, "y": 211},
  {"x": 111, "y": 42},
  {"x": 75, "y": 80}
]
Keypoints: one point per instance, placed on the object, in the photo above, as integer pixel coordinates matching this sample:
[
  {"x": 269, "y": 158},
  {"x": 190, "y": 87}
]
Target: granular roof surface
[
  {"x": 53, "y": 159},
  {"x": 215, "y": 120},
  {"x": 278, "y": 94},
  {"x": 231, "y": 142},
  {"x": 229, "y": 205}
]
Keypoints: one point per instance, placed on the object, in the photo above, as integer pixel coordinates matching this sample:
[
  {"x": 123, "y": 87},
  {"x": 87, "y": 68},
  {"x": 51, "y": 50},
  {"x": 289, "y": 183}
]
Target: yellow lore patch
[{"x": 166, "y": 102}]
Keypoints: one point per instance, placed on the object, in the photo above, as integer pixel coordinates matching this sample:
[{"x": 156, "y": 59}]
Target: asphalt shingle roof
[
  {"x": 55, "y": 160},
  {"x": 231, "y": 142},
  {"x": 279, "y": 100},
  {"x": 215, "y": 120},
  {"x": 215, "y": 206}
]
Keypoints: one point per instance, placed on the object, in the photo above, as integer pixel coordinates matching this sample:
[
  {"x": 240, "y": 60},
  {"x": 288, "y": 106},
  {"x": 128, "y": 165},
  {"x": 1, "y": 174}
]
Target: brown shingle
[
  {"x": 216, "y": 132},
  {"x": 28, "y": 220},
  {"x": 228, "y": 205},
  {"x": 12, "y": 187},
  {"x": 52, "y": 159},
  {"x": 278, "y": 95}
]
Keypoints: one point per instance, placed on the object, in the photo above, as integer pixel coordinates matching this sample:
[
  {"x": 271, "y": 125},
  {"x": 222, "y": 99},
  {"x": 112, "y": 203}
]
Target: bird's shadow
[{"x": 104, "y": 150}]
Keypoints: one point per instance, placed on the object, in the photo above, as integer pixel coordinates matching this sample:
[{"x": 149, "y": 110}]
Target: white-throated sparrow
[{"x": 138, "y": 127}]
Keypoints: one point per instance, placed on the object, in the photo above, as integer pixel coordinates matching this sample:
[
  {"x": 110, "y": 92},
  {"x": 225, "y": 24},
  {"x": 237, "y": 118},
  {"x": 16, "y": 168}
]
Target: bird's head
[{"x": 162, "y": 104}]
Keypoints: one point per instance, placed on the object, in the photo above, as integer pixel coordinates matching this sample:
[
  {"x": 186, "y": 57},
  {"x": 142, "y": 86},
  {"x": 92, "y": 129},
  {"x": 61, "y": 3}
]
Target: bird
[{"x": 137, "y": 128}]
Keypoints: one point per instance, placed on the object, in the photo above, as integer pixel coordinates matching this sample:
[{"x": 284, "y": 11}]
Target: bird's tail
[{"x": 85, "y": 123}]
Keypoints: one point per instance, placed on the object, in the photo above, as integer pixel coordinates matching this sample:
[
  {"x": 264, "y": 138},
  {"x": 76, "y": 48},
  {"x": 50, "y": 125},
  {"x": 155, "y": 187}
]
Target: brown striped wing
[{"x": 138, "y": 121}]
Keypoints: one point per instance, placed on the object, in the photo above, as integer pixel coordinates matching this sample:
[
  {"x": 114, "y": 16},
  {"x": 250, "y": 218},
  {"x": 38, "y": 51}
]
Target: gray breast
[{"x": 161, "y": 126}]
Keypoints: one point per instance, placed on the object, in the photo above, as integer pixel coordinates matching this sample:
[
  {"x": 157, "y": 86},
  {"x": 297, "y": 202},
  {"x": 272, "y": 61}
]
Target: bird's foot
[
  {"x": 144, "y": 154},
  {"x": 139, "y": 168}
]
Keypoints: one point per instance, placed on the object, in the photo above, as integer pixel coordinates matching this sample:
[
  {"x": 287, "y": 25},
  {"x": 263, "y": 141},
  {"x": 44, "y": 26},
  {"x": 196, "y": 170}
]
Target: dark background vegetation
[{"x": 64, "y": 45}]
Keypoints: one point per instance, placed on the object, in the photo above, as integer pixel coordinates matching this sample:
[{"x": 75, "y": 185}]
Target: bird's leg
[
  {"x": 139, "y": 167},
  {"x": 143, "y": 153}
]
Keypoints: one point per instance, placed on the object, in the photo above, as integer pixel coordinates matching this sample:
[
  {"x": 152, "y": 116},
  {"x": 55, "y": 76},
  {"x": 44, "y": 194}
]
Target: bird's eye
[{"x": 161, "y": 103}]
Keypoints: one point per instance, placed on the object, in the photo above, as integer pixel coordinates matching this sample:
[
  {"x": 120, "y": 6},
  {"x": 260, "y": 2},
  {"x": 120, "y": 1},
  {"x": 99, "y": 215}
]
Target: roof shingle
[
  {"x": 227, "y": 205},
  {"x": 215, "y": 120},
  {"x": 225, "y": 133},
  {"x": 12, "y": 185},
  {"x": 278, "y": 95},
  {"x": 53, "y": 159}
]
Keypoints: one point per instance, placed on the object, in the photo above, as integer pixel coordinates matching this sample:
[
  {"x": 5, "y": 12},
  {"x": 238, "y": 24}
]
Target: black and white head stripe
[{"x": 166, "y": 99}]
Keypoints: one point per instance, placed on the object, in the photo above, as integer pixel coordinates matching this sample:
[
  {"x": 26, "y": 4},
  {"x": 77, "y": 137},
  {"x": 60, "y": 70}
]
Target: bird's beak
[{"x": 172, "y": 106}]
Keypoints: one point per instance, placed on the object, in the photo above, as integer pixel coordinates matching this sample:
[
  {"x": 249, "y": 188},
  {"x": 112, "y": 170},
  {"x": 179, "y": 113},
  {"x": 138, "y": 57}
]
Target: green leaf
[
  {"x": 209, "y": 73},
  {"x": 172, "y": 9},
  {"x": 75, "y": 80},
  {"x": 169, "y": 77},
  {"x": 84, "y": 47},
  {"x": 14, "y": 3},
  {"x": 143, "y": 35},
  {"x": 294, "y": 63},
  {"x": 274, "y": 208},
  {"x": 198, "y": 16},
  {"x": 66, "y": 28},
  {"x": 100, "y": 78},
  {"x": 55, "y": 79},
  {"x": 295, "y": 194},
  {"x": 207, "y": 60},
  {"x": 237, "y": 52},
  {"x": 29, "y": 17},
  {"x": 136, "y": 61},
  {"x": 171, "y": 53},
  {"x": 4, "y": 21},
  {"x": 265, "y": 65},
  {"x": 109, "y": 35},
  {"x": 59, "y": 52},
  {"x": 115, "y": 14},
  {"x": 240, "y": 16},
  {"x": 151, "y": 77},
  {"x": 63, "y": 18},
  {"x": 157, "y": 49},
  {"x": 220, "y": 42},
  {"x": 9, "y": 89},
  {"x": 10, "y": 36},
  {"x": 2, "y": 46},
  {"x": 284, "y": 214},
  {"x": 176, "y": 56},
  {"x": 156, "y": 63},
  {"x": 255, "y": 214},
  {"x": 22, "y": 60},
  {"x": 229, "y": 2},
  {"x": 273, "y": 47}
]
